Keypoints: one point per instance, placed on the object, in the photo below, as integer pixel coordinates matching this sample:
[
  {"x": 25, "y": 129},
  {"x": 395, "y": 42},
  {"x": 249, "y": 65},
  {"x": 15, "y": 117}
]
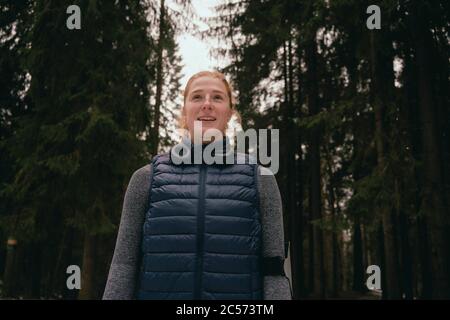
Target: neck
[{"x": 186, "y": 149}]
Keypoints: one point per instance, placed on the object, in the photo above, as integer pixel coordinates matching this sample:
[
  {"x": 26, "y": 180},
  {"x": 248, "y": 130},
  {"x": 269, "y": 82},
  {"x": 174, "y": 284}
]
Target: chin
[{"x": 208, "y": 128}]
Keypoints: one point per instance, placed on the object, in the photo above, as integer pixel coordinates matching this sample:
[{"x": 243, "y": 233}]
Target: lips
[{"x": 206, "y": 118}]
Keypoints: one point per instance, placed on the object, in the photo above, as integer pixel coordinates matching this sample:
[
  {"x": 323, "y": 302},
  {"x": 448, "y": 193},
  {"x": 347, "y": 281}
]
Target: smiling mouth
[{"x": 206, "y": 119}]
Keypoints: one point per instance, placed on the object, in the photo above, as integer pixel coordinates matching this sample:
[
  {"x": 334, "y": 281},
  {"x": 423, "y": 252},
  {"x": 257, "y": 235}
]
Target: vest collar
[{"x": 187, "y": 152}]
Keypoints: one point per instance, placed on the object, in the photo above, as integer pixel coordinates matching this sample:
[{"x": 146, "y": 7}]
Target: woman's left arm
[{"x": 276, "y": 286}]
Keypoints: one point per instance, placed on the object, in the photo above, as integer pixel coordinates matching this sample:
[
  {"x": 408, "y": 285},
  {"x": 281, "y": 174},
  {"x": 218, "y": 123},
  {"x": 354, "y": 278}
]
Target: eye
[
  {"x": 196, "y": 97},
  {"x": 218, "y": 97}
]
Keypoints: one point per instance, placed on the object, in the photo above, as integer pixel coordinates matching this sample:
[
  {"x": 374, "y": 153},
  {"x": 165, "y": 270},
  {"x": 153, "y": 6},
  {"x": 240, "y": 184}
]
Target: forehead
[{"x": 207, "y": 83}]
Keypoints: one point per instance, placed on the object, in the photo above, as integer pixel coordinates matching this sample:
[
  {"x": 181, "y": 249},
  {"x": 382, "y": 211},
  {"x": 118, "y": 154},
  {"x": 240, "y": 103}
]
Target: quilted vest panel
[{"x": 202, "y": 233}]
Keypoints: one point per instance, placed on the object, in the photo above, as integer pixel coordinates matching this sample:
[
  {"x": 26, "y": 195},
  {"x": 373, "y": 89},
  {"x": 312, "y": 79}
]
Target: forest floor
[{"x": 353, "y": 295}]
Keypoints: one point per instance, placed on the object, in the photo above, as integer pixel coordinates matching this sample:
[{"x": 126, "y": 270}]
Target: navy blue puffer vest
[{"x": 202, "y": 233}]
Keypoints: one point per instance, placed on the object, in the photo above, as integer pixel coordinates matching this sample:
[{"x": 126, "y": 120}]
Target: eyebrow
[{"x": 200, "y": 90}]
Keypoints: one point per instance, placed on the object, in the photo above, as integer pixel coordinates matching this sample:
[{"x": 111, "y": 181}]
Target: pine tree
[
  {"x": 77, "y": 147},
  {"x": 15, "y": 19},
  {"x": 171, "y": 19}
]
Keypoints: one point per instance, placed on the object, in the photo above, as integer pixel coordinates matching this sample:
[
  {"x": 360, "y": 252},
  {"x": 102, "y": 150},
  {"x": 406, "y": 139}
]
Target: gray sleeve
[
  {"x": 124, "y": 268},
  {"x": 123, "y": 272},
  {"x": 275, "y": 287}
]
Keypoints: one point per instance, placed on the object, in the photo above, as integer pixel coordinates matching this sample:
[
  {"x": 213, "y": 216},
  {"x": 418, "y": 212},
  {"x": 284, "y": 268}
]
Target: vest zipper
[{"x": 200, "y": 234}]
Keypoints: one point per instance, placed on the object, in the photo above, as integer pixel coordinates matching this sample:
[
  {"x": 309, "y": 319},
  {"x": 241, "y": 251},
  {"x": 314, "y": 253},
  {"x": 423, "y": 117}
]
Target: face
[{"x": 207, "y": 101}]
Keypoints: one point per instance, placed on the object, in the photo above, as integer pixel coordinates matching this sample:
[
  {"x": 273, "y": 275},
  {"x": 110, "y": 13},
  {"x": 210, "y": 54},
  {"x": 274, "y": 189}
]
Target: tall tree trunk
[
  {"x": 358, "y": 284},
  {"x": 298, "y": 236},
  {"x": 378, "y": 97},
  {"x": 287, "y": 148},
  {"x": 358, "y": 265},
  {"x": 88, "y": 268},
  {"x": 382, "y": 259},
  {"x": 311, "y": 244},
  {"x": 340, "y": 252},
  {"x": 425, "y": 261},
  {"x": 409, "y": 122},
  {"x": 10, "y": 274},
  {"x": 406, "y": 256},
  {"x": 433, "y": 201},
  {"x": 295, "y": 180},
  {"x": 346, "y": 270},
  {"x": 335, "y": 269},
  {"x": 159, "y": 81},
  {"x": 300, "y": 221},
  {"x": 295, "y": 213},
  {"x": 68, "y": 259},
  {"x": 314, "y": 149},
  {"x": 62, "y": 261},
  {"x": 332, "y": 254},
  {"x": 36, "y": 264}
]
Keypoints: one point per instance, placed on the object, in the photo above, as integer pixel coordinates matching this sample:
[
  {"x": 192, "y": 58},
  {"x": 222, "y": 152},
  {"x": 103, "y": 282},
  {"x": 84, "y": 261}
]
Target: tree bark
[
  {"x": 425, "y": 261},
  {"x": 358, "y": 266},
  {"x": 87, "y": 291},
  {"x": 433, "y": 200},
  {"x": 295, "y": 198},
  {"x": 406, "y": 256},
  {"x": 159, "y": 81},
  {"x": 10, "y": 275},
  {"x": 315, "y": 186},
  {"x": 378, "y": 93}
]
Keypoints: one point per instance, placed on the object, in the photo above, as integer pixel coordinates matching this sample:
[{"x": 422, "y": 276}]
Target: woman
[{"x": 200, "y": 231}]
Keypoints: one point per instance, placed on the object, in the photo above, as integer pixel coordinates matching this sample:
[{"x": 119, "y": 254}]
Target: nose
[{"x": 207, "y": 104}]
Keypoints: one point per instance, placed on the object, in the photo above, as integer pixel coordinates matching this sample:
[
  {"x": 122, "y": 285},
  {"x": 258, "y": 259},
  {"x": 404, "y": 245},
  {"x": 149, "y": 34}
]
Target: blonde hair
[{"x": 212, "y": 74}]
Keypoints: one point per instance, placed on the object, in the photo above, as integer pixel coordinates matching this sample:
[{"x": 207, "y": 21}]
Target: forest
[{"x": 363, "y": 114}]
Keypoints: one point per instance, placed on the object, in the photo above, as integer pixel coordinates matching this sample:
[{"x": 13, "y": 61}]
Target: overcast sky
[{"x": 194, "y": 52}]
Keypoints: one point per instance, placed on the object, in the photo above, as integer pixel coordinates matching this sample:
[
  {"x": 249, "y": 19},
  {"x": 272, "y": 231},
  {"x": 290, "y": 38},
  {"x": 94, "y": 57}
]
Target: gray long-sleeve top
[{"x": 124, "y": 270}]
